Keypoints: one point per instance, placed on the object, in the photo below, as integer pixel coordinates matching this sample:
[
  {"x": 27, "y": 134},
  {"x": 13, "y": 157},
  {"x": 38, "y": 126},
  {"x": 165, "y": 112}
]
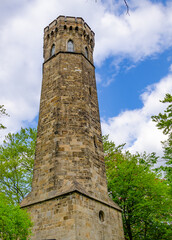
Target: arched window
[
  {"x": 52, "y": 50},
  {"x": 90, "y": 91},
  {"x": 86, "y": 52},
  {"x": 91, "y": 43},
  {"x": 101, "y": 216},
  {"x": 70, "y": 46},
  {"x": 95, "y": 141}
]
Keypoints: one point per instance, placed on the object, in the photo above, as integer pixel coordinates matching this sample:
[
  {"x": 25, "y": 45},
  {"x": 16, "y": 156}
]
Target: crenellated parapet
[{"x": 73, "y": 31}]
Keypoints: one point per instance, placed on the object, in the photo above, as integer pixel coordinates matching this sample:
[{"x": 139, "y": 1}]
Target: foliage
[
  {"x": 2, "y": 113},
  {"x": 164, "y": 122},
  {"x": 142, "y": 195},
  {"x": 16, "y": 163},
  {"x": 15, "y": 223}
]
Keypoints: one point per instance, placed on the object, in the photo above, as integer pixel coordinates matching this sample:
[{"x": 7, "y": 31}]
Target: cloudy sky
[{"x": 133, "y": 59}]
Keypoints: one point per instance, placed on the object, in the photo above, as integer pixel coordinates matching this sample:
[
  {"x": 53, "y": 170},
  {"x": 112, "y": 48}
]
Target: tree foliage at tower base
[
  {"x": 16, "y": 163},
  {"x": 15, "y": 223},
  {"x": 143, "y": 196},
  {"x": 164, "y": 122}
]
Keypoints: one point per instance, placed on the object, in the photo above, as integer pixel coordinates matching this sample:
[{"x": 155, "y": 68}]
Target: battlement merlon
[{"x": 70, "y": 21}]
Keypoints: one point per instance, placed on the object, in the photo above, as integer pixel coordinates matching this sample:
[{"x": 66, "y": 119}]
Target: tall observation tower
[{"x": 69, "y": 198}]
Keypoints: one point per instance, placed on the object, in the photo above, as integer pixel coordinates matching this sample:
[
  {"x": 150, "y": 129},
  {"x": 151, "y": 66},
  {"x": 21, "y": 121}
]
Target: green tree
[
  {"x": 2, "y": 113},
  {"x": 16, "y": 163},
  {"x": 142, "y": 195},
  {"x": 164, "y": 122},
  {"x": 15, "y": 223}
]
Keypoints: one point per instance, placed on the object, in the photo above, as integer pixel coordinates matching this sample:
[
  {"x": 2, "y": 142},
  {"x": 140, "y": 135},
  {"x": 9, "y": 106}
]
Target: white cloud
[
  {"x": 170, "y": 68},
  {"x": 147, "y": 31},
  {"x": 135, "y": 127},
  {"x": 98, "y": 78}
]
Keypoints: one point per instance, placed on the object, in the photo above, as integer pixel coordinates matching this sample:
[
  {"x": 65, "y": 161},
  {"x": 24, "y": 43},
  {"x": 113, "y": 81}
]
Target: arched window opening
[
  {"x": 70, "y": 28},
  {"x": 95, "y": 142},
  {"x": 56, "y": 29},
  {"x": 90, "y": 91},
  {"x": 52, "y": 50},
  {"x": 70, "y": 46},
  {"x": 48, "y": 36},
  {"x": 86, "y": 52},
  {"x": 76, "y": 29},
  {"x": 52, "y": 33},
  {"x": 65, "y": 27},
  {"x": 101, "y": 216},
  {"x": 91, "y": 43}
]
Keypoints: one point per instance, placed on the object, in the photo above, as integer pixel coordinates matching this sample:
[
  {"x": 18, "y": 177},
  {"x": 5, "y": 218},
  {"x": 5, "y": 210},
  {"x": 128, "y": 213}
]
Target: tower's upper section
[{"x": 68, "y": 34}]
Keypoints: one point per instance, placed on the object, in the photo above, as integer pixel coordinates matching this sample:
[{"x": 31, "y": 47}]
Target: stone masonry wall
[
  {"x": 69, "y": 142},
  {"x": 75, "y": 217}
]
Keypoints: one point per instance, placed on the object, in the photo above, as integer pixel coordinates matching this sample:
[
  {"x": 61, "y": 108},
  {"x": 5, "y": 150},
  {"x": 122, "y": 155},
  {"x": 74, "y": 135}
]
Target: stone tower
[{"x": 69, "y": 198}]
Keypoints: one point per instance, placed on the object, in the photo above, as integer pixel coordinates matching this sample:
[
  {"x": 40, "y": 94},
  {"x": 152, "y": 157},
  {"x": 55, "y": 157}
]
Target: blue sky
[
  {"x": 129, "y": 83},
  {"x": 133, "y": 59}
]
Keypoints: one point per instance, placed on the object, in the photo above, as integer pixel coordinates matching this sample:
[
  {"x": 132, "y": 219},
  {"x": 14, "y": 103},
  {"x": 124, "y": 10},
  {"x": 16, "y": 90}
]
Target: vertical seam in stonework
[
  {"x": 90, "y": 99},
  {"x": 83, "y": 82},
  {"x": 109, "y": 210},
  {"x": 61, "y": 43},
  {"x": 76, "y": 238},
  {"x": 81, "y": 46},
  {"x": 56, "y": 122}
]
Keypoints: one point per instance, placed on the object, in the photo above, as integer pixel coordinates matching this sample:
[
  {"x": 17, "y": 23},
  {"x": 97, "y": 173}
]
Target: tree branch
[
  {"x": 125, "y": 1},
  {"x": 126, "y": 4}
]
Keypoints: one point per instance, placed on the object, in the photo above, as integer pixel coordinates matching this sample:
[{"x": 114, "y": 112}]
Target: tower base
[{"x": 74, "y": 216}]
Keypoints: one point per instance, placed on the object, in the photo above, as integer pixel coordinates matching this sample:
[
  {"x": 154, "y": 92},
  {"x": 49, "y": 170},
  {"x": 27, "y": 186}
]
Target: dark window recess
[
  {"x": 91, "y": 43},
  {"x": 70, "y": 46},
  {"x": 95, "y": 141},
  {"x": 86, "y": 52},
  {"x": 52, "y": 50},
  {"x": 101, "y": 216},
  {"x": 90, "y": 90}
]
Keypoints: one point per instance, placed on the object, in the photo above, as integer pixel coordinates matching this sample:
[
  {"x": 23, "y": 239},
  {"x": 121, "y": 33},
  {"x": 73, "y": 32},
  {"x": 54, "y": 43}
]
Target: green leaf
[
  {"x": 138, "y": 189},
  {"x": 16, "y": 163}
]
